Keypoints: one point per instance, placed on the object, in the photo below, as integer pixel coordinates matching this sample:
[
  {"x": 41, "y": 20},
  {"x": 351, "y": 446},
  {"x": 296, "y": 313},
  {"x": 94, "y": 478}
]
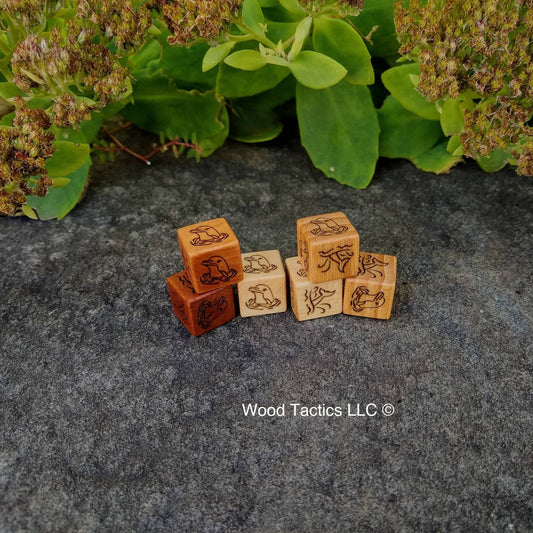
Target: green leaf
[
  {"x": 184, "y": 65},
  {"x": 404, "y": 134},
  {"x": 339, "y": 129},
  {"x": 451, "y": 118},
  {"x": 300, "y": 35},
  {"x": 29, "y": 212},
  {"x": 268, "y": 3},
  {"x": 246, "y": 60},
  {"x": 281, "y": 31},
  {"x": 378, "y": 13},
  {"x": 397, "y": 81},
  {"x": 136, "y": 62},
  {"x": 236, "y": 83},
  {"x": 59, "y": 202},
  {"x": 437, "y": 160},
  {"x": 188, "y": 115},
  {"x": 215, "y": 55},
  {"x": 338, "y": 40},
  {"x": 60, "y": 182},
  {"x": 494, "y": 162},
  {"x": 454, "y": 146},
  {"x": 255, "y": 119},
  {"x": 315, "y": 70},
  {"x": 67, "y": 158},
  {"x": 10, "y": 90},
  {"x": 252, "y": 16},
  {"x": 292, "y": 6}
]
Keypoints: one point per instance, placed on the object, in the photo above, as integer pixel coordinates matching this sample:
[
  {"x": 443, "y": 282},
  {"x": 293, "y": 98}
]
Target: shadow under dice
[
  {"x": 328, "y": 247},
  {"x": 312, "y": 300},
  {"x": 211, "y": 254},
  {"x": 203, "y": 312},
  {"x": 371, "y": 293},
  {"x": 262, "y": 290}
]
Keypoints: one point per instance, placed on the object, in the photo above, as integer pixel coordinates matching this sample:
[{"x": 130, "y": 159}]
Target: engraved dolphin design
[
  {"x": 327, "y": 226},
  {"x": 263, "y": 297},
  {"x": 362, "y": 299},
  {"x": 218, "y": 270},
  {"x": 206, "y": 235},
  {"x": 314, "y": 299},
  {"x": 371, "y": 264},
  {"x": 258, "y": 264},
  {"x": 209, "y": 311}
]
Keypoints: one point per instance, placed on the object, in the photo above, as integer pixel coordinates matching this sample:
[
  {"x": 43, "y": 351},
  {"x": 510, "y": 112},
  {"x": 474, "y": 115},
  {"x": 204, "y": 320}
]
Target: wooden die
[
  {"x": 211, "y": 254},
  {"x": 371, "y": 293},
  {"x": 200, "y": 313},
  {"x": 328, "y": 247},
  {"x": 263, "y": 289},
  {"x": 312, "y": 300}
]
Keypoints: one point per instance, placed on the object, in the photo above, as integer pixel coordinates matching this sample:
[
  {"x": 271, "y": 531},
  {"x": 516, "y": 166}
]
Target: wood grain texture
[
  {"x": 200, "y": 313},
  {"x": 312, "y": 300},
  {"x": 371, "y": 293},
  {"x": 328, "y": 247},
  {"x": 263, "y": 290},
  {"x": 211, "y": 254}
]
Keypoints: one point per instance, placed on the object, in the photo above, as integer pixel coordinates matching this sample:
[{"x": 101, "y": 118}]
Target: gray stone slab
[{"x": 114, "y": 418}]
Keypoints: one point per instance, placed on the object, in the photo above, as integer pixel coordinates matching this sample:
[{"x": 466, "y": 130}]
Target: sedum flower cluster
[
  {"x": 24, "y": 149},
  {"x": 480, "y": 50},
  {"x": 191, "y": 20}
]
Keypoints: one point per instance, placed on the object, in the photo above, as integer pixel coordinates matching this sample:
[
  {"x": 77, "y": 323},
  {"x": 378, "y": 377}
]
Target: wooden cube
[
  {"x": 200, "y": 313},
  {"x": 328, "y": 247},
  {"x": 312, "y": 300},
  {"x": 211, "y": 254},
  {"x": 371, "y": 293},
  {"x": 263, "y": 289}
]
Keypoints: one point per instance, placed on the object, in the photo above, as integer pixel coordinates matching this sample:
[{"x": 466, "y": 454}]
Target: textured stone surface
[{"x": 114, "y": 418}]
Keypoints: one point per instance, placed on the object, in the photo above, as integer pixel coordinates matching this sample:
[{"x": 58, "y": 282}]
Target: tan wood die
[
  {"x": 328, "y": 247},
  {"x": 312, "y": 300},
  {"x": 211, "y": 254},
  {"x": 371, "y": 293},
  {"x": 200, "y": 313},
  {"x": 263, "y": 290}
]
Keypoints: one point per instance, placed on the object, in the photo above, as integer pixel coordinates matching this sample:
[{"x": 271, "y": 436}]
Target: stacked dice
[
  {"x": 331, "y": 276},
  {"x": 202, "y": 294}
]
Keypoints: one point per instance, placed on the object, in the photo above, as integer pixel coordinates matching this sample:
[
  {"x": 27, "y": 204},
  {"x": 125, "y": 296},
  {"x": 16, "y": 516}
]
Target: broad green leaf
[
  {"x": 281, "y": 31},
  {"x": 184, "y": 65},
  {"x": 149, "y": 52},
  {"x": 268, "y": 3},
  {"x": 7, "y": 120},
  {"x": 292, "y": 6},
  {"x": 454, "y": 146},
  {"x": 339, "y": 129},
  {"x": 278, "y": 13},
  {"x": 252, "y": 16},
  {"x": 255, "y": 119},
  {"x": 378, "y": 13},
  {"x": 494, "y": 162},
  {"x": 67, "y": 158},
  {"x": 277, "y": 60},
  {"x": 216, "y": 54},
  {"x": 235, "y": 83},
  {"x": 173, "y": 113},
  {"x": 397, "y": 81},
  {"x": 59, "y": 202},
  {"x": 300, "y": 35},
  {"x": 451, "y": 118},
  {"x": 404, "y": 134},
  {"x": 60, "y": 182},
  {"x": 29, "y": 212},
  {"x": 315, "y": 70},
  {"x": 246, "y": 60},
  {"x": 437, "y": 160},
  {"x": 10, "y": 90},
  {"x": 338, "y": 40}
]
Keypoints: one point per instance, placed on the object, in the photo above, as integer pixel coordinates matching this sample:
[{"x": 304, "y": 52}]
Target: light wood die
[
  {"x": 263, "y": 290},
  {"x": 328, "y": 247},
  {"x": 211, "y": 254},
  {"x": 370, "y": 294},
  {"x": 312, "y": 300}
]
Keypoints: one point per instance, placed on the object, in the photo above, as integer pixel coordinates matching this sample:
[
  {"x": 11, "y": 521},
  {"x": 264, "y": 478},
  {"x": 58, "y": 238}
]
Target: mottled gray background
[{"x": 114, "y": 418}]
